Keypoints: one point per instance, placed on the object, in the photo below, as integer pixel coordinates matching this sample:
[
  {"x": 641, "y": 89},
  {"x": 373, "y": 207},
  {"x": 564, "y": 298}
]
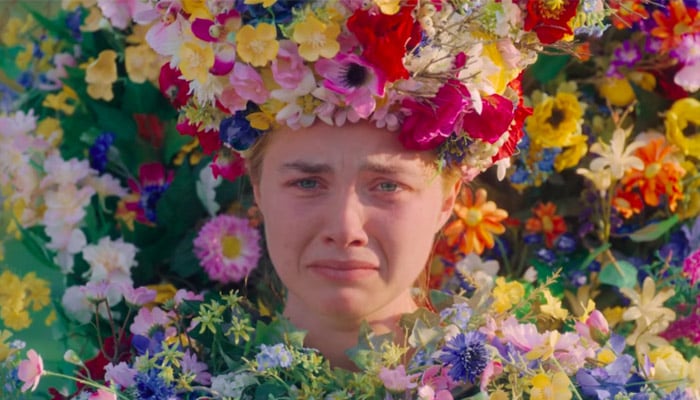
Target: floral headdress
[{"x": 444, "y": 74}]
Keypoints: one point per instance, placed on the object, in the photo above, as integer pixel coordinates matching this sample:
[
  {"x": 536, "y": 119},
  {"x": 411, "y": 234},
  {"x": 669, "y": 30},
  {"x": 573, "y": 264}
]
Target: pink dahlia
[
  {"x": 691, "y": 267},
  {"x": 228, "y": 248}
]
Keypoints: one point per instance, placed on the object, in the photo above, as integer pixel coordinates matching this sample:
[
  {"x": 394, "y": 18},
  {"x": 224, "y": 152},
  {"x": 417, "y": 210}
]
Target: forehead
[{"x": 349, "y": 147}]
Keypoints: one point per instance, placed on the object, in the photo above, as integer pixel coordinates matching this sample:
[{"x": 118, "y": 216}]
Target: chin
[{"x": 345, "y": 303}]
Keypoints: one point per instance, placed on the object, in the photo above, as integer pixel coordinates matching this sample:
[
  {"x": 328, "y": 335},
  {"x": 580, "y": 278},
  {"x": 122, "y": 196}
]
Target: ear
[{"x": 448, "y": 203}]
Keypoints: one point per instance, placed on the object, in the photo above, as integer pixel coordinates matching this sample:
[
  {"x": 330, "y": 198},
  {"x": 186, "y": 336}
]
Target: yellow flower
[
  {"x": 669, "y": 367},
  {"x": 265, "y": 3},
  {"x": 682, "y": 122},
  {"x": 197, "y": 9},
  {"x": 388, "y": 7},
  {"x": 164, "y": 292},
  {"x": 572, "y": 155},
  {"x": 553, "y": 307},
  {"x": 5, "y": 349},
  {"x": 257, "y": 46},
  {"x": 694, "y": 377},
  {"x": 617, "y": 91},
  {"x": 195, "y": 61},
  {"x": 556, "y": 121},
  {"x": 507, "y": 294},
  {"x": 15, "y": 315},
  {"x": 50, "y": 129},
  {"x": 316, "y": 38},
  {"x": 141, "y": 63},
  {"x": 606, "y": 356},
  {"x": 92, "y": 21},
  {"x": 101, "y": 74},
  {"x": 23, "y": 58},
  {"x": 556, "y": 388},
  {"x": 51, "y": 318},
  {"x": 65, "y": 100},
  {"x": 37, "y": 290},
  {"x": 499, "y": 395},
  {"x": 545, "y": 350},
  {"x": 13, "y": 29}
]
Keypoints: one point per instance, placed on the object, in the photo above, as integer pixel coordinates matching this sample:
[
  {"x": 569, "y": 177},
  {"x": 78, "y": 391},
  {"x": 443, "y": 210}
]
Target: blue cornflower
[
  {"x": 273, "y": 357},
  {"x": 521, "y": 175},
  {"x": 467, "y": 356},
  {"x": 150, "y": 386},
  {"x": 99, "y": 151},
  {"x": 237, "y": 133},
  {"x": 73, "y": 21},
  {"x": 566, "y": 242},
  {"x": 149, "y": 199}
]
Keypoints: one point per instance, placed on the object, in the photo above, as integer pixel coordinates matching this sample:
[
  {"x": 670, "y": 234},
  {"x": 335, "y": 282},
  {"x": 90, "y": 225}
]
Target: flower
[
  {"x": 396, "y": 380},
  {"x": 316, "y": 38},
  {"x": 153, "y": 181},
  {"x": 680, "y": 120},
  {"x": 196, "y": 61},
  {"x": 556, "y": 121},
  {"x": 101, "y": 74},
  {"x": 467, "y": 356},
  {"x": 673, "y": 25},
  {"x": 30, "y": 370},
  {"x": 550, "y": 20},
  {"x": 258, "y": 45},
  {"x": 616, "y": 156},
  {"x": 547, "y": 222},
  {"x": 545, "y": 387},
  {"x": 691, "y": 267},
  {"x": 151, "y": 386},
  {"x": 507, "y": 294},
  {"x": 228, "y": 248},
  {"x": 275, "y": 356},
  {"x": 670, "y": 368},
  {"x": 661, "y": 174},
  {"x": 647, "y": 305},
  {"x": 477, "y": 220},
  {"x": 142, "y": 63}
]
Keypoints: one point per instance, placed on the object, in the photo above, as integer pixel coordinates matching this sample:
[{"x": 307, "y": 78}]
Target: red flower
[
  {"x": 674, "y": 24},
  {"x": 547, "y": 222},
  {"x": 150, "y": 129},
  {"x": 229, "y": 165},
  {"x": 515, "y": 131},
  {"x": 209, "y": 140},
  {"x": 172, "y": 86},
  {"x": 385, "y": 38},
  {"x": 550, "y": 24}
]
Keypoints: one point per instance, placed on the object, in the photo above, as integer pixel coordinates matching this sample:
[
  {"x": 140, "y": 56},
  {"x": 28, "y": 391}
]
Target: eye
[
  {"x": 388, "y": 186},
  {"x": 306, "y": 183}
]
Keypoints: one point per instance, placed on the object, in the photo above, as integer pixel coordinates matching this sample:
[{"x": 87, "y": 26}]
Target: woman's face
[{"x": 350, "y": 217}]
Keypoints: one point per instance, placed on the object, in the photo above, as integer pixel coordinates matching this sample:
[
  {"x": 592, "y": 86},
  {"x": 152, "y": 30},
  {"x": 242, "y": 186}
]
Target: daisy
[
  {"x": 228, "y": 248},
  {"x": 477, "y": 222}
]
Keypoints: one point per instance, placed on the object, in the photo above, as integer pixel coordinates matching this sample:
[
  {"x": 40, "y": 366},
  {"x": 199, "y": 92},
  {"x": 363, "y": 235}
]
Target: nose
[{"x": 345, "y": 222}]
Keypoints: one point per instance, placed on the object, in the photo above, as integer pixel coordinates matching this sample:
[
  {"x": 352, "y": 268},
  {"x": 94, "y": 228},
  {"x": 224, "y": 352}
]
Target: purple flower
[
  {"x": 237, "y": 133},
  {"x": 606, "y": 382},
  {"x": 467, "y": 356},
  {"x": 99, "y": 151},
  {"x": 190, "y": 365},
  {"x": 273, "y": 357},
  {"x": 626, "y": 55},
  {"x": 150, "y": 386}
]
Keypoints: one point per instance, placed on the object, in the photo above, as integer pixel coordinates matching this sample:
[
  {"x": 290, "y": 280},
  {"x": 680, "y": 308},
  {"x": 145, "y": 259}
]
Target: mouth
[{"x": 343, "y": 271}]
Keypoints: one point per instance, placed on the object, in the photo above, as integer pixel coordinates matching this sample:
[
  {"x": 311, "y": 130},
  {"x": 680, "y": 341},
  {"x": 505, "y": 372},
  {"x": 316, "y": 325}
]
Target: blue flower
[
  {"x": 278, "y": 13},
  {"x": 150, "y": 386},
  {"x": 677, "y": 394},
  {"x": 566, "y": 242},
  {"x": 273, "y": 357},
  {"x": 237, "y": 133},
  {"x": 149, "y": 199},
  {"x": 546, "y": 255},
  {"x": 607, "y": 382},
  {"x": 467, "y": 356},
  {"x": 99, "y": 151},
  {"x": 73, "y": 21},
  {"x": 458, "y": 314}
]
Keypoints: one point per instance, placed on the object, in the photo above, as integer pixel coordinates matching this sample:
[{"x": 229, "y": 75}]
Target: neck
[{"x": 333, "y": 333}]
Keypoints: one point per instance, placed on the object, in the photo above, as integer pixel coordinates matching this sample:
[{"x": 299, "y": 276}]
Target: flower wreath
[{"x": 445, "y": 74}]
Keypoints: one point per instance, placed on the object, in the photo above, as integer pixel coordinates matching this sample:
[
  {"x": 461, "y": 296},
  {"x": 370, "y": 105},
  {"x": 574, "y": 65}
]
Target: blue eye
[
  {"x": 388, "y": 187},
  {"x": 306, "y": 183}
]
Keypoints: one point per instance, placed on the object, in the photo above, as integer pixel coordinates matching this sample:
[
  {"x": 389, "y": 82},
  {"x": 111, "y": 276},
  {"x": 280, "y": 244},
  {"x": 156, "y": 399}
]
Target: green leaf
[
  {"x": 592, "y": 256},
  {"x": 184, "y": 262},
  {"x": 647, "y": 111},
  {"x": 8, "y": 67},
  {"x": 654, "y": 230},
  {"x": 270, "y": 390},
  {"x": 178, "y": 208},
  {"x": 620, "y": 273},
  {"x": 174, "y": 141},
  {"x": 548, "y": 67},
  {"x": 114, "y": 120}
]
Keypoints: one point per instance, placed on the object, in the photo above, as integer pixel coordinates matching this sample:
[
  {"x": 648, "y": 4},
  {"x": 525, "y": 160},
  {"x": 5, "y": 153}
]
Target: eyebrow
[{"x": 320, "y": 168}]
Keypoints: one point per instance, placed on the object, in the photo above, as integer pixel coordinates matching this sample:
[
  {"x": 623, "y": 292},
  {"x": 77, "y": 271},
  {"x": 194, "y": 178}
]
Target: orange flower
[
  {"x": 476, "y": 223},
  {"x": 627, "y": 203},
  {"x": 672, "y": 27},
  {"x": 661, "y": 175},
  {"x": 627, "y": 12},
  {"x": 547, "y": 222}
]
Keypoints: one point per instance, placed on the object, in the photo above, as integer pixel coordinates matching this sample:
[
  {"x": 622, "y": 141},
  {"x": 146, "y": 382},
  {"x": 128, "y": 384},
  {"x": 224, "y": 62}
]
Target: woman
[{"x": 315, "y": 95}]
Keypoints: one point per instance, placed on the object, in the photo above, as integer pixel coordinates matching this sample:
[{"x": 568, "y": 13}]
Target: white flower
[
  {"x": 206, "y": 190},
  {"x": 481, "y": 271},
  {"x": 616, "y": 156},
  {"x": 299, "y": 111},
  {"x": 62, "y": 172},
  {"x": 106, "y": 185},
  {"x": 601, "y": 179},
  {"x": 232, "y": 384},
  {"x": 66, "y": 204},
  {"x": 76, "y": 304},
  {"x": 110, "y": 260}
]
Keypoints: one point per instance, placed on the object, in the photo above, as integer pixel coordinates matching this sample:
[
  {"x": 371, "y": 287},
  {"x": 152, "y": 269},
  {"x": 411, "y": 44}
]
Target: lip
[{"x": 343, "y": 271}]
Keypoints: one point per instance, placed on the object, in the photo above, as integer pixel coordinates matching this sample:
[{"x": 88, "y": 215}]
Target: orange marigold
[
  {"x": 547, "y": 222},
  {"x": 477, "y": 220},
  {"x": 672, "y": 26},
  {"x": 661, "y": 175}
]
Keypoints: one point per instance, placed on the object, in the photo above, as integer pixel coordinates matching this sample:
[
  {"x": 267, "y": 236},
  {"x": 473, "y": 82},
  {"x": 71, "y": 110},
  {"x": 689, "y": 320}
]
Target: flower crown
[{"x": 444, "y": 74}]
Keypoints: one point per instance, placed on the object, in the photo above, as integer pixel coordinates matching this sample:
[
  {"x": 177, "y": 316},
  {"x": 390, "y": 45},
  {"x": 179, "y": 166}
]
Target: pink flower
[
  {"x": 120, "y": 12},
  {"x": 228, "y": 248},
  {"x": 138, "y": 296},
  {"x": 248, "y": 83},
  {"x": 288, "y": 68},
  {"x": 691, "y": 267},
  {"x": 147, "y": 319},
  {"x": 173, "y": 87},
  {"x": 355, "y": 79},
  {"x": 396, "y": 380},
  {"x": 493, "y": 121},
  {"x": 428, "y": 124},
  {"x": 121, "y": 374},
  {"x": 30, "y": 370},
  {"x": 493, "y": 368},
  {"x": 102, "y": 394},
  {"x": 229, "y": 165},
  {"x": 436, "y": 384},
  {"x": 186, "y": 295}
]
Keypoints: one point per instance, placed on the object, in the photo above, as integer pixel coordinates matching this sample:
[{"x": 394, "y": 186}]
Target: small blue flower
[
  {"x": 273, "y": 357},
  {"x": 150, "y": 386},
  {"x": 73, "y": 21},
  {"x": 566, "y": 242},
  {"x": 546, "y": 255},
  {"x": 237, "y": 133},
  {"x": 467, "y": 356},
  {"x": 100, "y": 150},
  {"x": 578, "y": 278},
  {"x": 458, "y": 314},
  {"x": 149, "y": 199}
]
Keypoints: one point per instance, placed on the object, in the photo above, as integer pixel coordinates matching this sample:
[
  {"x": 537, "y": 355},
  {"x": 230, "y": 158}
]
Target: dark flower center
[
  {"x": 691, "y": 129},
  {"x": 356, "y": 75},
  {"x": 556, "y": 118}
]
